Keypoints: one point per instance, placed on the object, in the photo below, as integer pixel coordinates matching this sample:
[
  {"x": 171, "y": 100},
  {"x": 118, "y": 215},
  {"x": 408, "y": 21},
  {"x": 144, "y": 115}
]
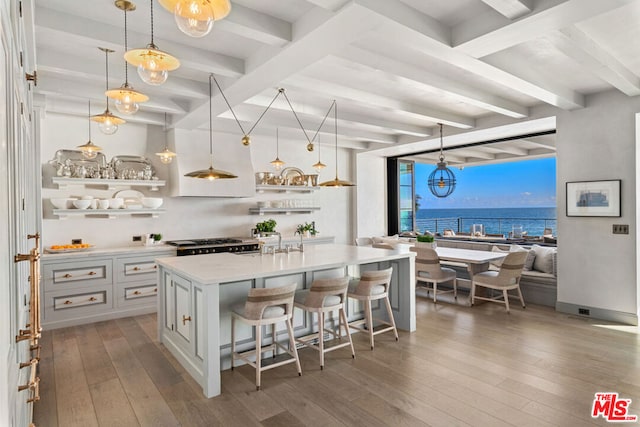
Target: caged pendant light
[
  {"x": 153, "y": 64},
  {"x": 441, "y": 181},
  {"x": 336, "y": 182},
  {"x": 89, "y": 150},
  {"x": 126, "y": 98},
  {"x": 166, "y": 155},
  {"x": 195, "y": 17},
  {"x": 107, "y": 122},
  {"x": 211, "y": 173},
  {"x": 277, "y": 163}
]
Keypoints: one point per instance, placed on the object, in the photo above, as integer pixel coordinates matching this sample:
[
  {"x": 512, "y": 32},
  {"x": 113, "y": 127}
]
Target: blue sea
[{"x": 494, "y": 220}]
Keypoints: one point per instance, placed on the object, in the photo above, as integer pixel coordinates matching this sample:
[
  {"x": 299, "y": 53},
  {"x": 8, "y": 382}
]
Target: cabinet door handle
[
  {"x": 155, "y": 290},
  {"x": 136, "y": 268},
  {"x": 137, "y": 293},
  {"x": 93, "y": 299},
  {"x": 155, "y": 267},
  {"x": 186, "y": 319},
  {"x": 66, "y": 276},
  {"x": 92, "y": 273},
  {"x": 67, "y": 302}
]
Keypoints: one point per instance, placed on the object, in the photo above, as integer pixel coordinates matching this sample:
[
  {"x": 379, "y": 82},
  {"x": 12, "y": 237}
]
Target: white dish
[
  {"x": 81, "y": 204},
  {"x": 133, "y": 206},
  {"x": 63, "y": 203},
  {"x": 130, "y": 197},
  {"x": 152, "y": 202}
]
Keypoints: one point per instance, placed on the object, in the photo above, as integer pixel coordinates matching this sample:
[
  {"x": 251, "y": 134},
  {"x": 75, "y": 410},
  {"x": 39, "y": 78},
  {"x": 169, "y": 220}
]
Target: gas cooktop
[
  {"x": 201, "y": 242},
  {"x": 214, "y": 245}
]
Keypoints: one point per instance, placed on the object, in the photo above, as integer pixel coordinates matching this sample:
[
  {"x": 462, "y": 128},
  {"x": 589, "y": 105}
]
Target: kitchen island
[{"x": 197, "y": 293}]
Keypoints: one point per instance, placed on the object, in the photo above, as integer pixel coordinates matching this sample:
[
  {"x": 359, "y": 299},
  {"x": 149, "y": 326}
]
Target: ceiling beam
[
  {"x": 512, "y": 9},
  {"x": 257, "y": 26},
  {"x": 467, "y": 94},
  {"x": 578, "y": 46},
  {"x": 328, "y": 4}
]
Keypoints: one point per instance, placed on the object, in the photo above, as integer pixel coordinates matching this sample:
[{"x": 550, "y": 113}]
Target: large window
[{"x": 407, "y": 196}]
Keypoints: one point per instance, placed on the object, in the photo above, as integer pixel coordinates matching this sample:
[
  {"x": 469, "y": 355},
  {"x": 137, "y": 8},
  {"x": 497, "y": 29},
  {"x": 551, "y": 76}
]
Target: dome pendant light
[
  {"x": 126, "y": 98},
  {"x": 319, "y": 166},
  {"x": 211, "y": 173},
  {"x": 195, "y": 17},
  {"x": 166, "y": 155},
  {"x": 277, "y": 163},
  {"x": 107, "y": 122},
  {"x": 441, "y": 181},
  {"x": 336, "y": 182},
  {"x": 89, "y": 150},
  {"x": 153, "y": 64}
]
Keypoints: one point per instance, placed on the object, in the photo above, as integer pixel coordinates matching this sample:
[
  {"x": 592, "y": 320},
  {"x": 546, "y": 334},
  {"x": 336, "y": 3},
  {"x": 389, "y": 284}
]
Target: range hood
[{"x": 192, "y": 149}]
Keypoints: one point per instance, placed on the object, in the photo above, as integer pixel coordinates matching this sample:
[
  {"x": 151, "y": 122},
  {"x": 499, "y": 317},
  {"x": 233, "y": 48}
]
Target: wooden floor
[{"x": 463, "y": 366}]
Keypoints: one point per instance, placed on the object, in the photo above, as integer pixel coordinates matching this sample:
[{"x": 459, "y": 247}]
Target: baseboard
[{"x": 597, "y": 313}]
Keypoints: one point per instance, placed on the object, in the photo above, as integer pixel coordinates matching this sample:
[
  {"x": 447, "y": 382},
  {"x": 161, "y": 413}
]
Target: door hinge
[
  {"x": 21, "y": 108},
  {"x": 21, "y": 65},
  {"x": 20, "y": 8},
  {"x": 172, "y": 326}
]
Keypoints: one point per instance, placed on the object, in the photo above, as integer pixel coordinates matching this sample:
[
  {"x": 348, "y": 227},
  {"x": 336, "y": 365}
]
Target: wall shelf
[
  {"x": 108, "y": 184},
  {"x": 107, "y": 213},
  {"x": 286, "y": 211},
  {"x": 286, "y": 188}
]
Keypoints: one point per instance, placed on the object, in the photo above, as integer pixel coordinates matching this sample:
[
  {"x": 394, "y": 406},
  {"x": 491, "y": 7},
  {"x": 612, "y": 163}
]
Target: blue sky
[{"x": 528, "y": 183}]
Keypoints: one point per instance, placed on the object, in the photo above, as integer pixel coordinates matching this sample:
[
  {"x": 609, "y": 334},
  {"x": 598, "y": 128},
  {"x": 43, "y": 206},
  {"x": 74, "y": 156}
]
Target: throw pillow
[
  {"x": 529, "y": 260},
  {"x": 497, "y": 262},
  {"x": 544, "y": 258}
]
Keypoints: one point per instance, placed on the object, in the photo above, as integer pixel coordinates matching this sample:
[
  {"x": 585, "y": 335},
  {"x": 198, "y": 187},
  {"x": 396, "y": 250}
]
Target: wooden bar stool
[
  {"x": 325, "y": 296},
  {"x": 373, "y": 285},
  {"x": 266, "y": 307}
]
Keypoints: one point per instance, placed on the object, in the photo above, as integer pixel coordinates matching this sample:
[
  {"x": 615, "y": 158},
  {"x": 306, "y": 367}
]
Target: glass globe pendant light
[
  {"x": 89, "y": 150},
  {"x": 153, "y": 64},
  {"x": 126, "y": 98},
  {"x": 441, "y": 181},
  {"x": 195, "y": 17},
  {"x": 166, "y": 155},
  {"x": 107, "y": 122}
]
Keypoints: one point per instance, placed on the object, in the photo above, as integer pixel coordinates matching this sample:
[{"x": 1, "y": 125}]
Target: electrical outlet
[
  {"x": 76, "y": 241},
  {"x": 620, "y": 228},
  {"x": 584, "y": 311},
  {"x": 137, "y": 238}
]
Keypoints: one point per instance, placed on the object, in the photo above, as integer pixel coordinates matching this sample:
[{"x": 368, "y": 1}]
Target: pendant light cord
[
  {"x": 226, "y": 101},
  {"x": 335, "y": 128},
  {"x": 152, "y": 23},
  {"x": 126, "y": 49},
  {"x": 210, "y": 121},
  {"x": 296, "y": 116},
  {"x": 441, "y": 144},
  {"x": 277, "y": 144},
  {"x": 89, "y": 117}
]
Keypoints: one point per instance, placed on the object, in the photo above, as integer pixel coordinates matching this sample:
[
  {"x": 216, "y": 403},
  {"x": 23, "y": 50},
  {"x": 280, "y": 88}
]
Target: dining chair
[
  {"x": 373, "y": 285},
  {"x": 429, "y": 272},
  {"x": 504, "y": 280},
  {"x": 325, "y": 296},
  {"x": 266, "y": 307}
]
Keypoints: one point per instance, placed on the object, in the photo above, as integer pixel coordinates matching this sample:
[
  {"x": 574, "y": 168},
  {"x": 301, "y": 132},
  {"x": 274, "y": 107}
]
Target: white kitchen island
[{"x": 197, "y": 294}]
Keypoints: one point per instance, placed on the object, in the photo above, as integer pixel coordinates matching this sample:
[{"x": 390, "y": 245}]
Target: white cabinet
[{"x": 182, "y": 289}]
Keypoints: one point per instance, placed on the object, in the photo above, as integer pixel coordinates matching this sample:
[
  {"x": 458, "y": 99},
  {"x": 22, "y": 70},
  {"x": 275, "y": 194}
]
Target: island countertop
[{"x": 231, "y": 267}]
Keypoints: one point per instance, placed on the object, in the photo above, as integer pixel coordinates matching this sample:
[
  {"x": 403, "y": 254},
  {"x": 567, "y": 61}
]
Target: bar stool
[
  {"x": 373, "y": 285},
  {"x": 266, "y": 307},
  {"x": 325, "y": 296}
]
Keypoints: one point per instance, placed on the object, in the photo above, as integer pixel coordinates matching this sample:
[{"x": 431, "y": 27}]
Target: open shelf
[
  {"x": 286, "y": 188},
  {"x": 107, "y": 213},
  {"x": 109, "y": 184},
  {"x": 286, "y": 211}
]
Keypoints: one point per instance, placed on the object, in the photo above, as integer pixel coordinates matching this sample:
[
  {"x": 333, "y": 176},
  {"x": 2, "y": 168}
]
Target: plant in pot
[
  {"x": 425, "y": 241},
  {"x": 267, "y": 226},
  {"x": 306, "y": 229}
]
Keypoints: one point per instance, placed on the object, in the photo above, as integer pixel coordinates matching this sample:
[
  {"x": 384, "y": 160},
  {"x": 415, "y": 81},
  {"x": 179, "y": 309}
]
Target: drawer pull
[
  {"x": 136, "y": 268},
  {"x": 93, "y": 299},
  {"x": 92, "y": 273},
  {"x": 67, "y": 302},
  {"x": 186, "y": 319},
  {"x": 155, "y": 267},
  {"x": 155, "y": 290},
  {"x": 137, "y": 293},
  {"x": 66, "y": 276}
]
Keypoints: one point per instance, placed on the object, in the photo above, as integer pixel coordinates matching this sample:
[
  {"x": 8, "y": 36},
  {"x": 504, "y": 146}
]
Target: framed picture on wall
[{"x": 594, "y": 198}]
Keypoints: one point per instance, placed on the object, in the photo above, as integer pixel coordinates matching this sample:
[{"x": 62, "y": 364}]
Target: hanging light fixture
[
  {"x": 107, "y": 122},
  {"x": 319, "y": 166},
  {"x": 195, "y": 17},
  {"x": 126, "y": 97},
  {"x": 277, "y": 163},
  {"x": 441, "y": 181},
  {"x": 211, "y": 173},
  {"x": 336, "y": 182},
  {"x": 153, "y": 64},
  {"x": 89, "y": 150},
  {"x": 166, "y": 155}
]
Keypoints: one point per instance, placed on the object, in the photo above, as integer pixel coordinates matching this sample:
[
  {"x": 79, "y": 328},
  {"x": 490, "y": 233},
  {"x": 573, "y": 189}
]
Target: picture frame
[{"x": 594, "y": 198}]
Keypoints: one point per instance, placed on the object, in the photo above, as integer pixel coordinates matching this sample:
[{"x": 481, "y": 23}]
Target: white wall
[
  {"x": 190, "y": 217},
  {"x": 597, "y": 268},
  {"x": 371, "y": 195}
]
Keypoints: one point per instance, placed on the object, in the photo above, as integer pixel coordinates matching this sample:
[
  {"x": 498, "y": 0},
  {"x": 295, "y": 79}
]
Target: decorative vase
[{"x": 431, "y": 245}]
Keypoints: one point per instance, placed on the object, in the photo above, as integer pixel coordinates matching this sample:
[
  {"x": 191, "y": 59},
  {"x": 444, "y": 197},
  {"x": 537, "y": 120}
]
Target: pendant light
[
  {"x": 89, "y": 150},
  {"x": 277, "y": 163},
  {"x": 166, "y": 155},
  {"x": 441, "y": 181},
  {"x": 126, "y": 97},
  {"x": 211, "y": 173},
  {"x": 107, "y": 122},
  {"x": 153, "y": 64},
  {"x": 319, "y": 166},
  {"x": 336, "y": 182},
  {"x": 195, "y": 17}
]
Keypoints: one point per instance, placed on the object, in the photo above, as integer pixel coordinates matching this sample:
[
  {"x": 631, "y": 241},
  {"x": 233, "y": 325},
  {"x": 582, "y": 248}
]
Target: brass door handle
[
  {"x": 66, "y": 276},
  {"x": 136, "y": 268},
  {"x": 155, "y": 290},
  {"x": 155, "y": 266},
  {"x": 186, "y": 319},
  {"x": 93, "y": 299},
  {"x": 137, "y": 293},
  {"x": 92, "y": 273},
  {"x": 67, "y": 302}
]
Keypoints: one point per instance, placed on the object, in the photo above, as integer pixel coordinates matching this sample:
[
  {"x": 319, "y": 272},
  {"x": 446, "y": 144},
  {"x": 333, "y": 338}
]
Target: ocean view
[{"x": 495, "y": 220}]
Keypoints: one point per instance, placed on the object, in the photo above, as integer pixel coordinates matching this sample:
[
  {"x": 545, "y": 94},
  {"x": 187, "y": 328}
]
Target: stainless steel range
[{"x": 214, "y": 245}]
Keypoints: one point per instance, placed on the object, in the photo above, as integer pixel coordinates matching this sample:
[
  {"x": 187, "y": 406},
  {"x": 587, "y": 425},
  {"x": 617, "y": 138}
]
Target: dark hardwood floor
[{"x": 476, "y": 366}]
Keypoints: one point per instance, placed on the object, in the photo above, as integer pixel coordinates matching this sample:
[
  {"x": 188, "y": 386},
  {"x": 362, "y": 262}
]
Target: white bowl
[
  {"x": 81, "y": 204},
  {"x": 152, "y": 202},
  {"x": 116, "y": 203},
  {"x": 63, "y": 203}
]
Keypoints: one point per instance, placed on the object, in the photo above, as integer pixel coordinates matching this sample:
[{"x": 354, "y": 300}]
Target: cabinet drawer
[
  {"x": 82, "y": 300},
  {"x": 70, "y": 275},
  {"x": 140, "y": 292},
  {"x": 136, "y": 269}
]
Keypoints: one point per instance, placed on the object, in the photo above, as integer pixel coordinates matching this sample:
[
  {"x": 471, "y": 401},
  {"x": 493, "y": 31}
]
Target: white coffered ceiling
[{"x": 395, "y": 67}]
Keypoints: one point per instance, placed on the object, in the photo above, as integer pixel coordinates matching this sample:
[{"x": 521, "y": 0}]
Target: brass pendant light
[
  {"x": 195, "y": 17},
  {"x": 211, "y": 173},
  {"x": 89, "y": 150},
  {"x": 126, "y": 98},
  {"x": 108, "y": 123},
  {"x": 277, "y": 163},
  {"x": 336, "y": 182},
  {"x": 166, "y": 155},
  {"x": 319, "y": 165},
  {"x": 153, "y": 64}
]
